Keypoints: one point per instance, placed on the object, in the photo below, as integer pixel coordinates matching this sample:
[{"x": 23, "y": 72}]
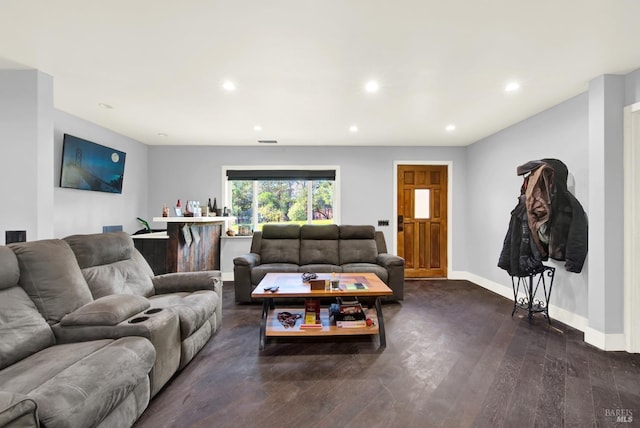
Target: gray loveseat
[
  {"x": 69, "y": 358},
  {"x": 319, "y": 249}
]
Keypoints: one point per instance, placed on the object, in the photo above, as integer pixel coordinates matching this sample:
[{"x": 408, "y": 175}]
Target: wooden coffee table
[{"x": 291, "y": 285}]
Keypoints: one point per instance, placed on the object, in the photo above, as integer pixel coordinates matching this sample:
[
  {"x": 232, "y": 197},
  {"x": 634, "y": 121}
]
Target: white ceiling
[{"x": 300, "y": 65}]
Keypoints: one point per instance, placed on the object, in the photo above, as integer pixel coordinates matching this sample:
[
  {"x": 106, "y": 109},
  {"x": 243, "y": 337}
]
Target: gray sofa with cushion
[
  {"x": 91, "y": 346},
  {"x": 42, "y": 382},
  {"x": 319, "y": 249},
  {"x": 111, "y": 265}
]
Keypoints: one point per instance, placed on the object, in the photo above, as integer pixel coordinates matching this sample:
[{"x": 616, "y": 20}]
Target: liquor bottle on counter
[{"x": 214, "y": 208}]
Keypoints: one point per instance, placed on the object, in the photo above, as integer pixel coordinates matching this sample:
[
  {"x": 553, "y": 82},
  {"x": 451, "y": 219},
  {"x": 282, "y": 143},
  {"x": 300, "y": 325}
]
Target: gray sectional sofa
[
  {"x": 88, "y": 335},
  {"x": 318, "y": 249}
]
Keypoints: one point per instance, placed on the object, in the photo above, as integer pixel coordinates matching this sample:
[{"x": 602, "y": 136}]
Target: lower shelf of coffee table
[{"x": 275, "y": 328}]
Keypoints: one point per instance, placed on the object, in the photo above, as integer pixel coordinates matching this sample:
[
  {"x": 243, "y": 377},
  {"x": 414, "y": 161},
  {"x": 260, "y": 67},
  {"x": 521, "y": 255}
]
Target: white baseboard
[
  {"x": 604, "y": 341},
  {"x": 505, "y": 290}
]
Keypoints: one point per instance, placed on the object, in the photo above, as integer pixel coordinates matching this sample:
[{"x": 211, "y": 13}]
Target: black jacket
[
  {"x": 566, "y": 235},
  {"x": 520, "y": 256}
]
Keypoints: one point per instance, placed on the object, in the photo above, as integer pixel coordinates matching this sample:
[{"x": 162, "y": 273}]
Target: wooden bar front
[{"x": 202, "y": 253}]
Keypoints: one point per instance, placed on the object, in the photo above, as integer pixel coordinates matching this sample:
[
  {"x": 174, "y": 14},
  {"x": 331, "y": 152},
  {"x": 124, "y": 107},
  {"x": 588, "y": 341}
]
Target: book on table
[
  {"x": 348, "y": 286},
  {"x": 348, "y": 314},
  {"x": 311, "y": 314}
]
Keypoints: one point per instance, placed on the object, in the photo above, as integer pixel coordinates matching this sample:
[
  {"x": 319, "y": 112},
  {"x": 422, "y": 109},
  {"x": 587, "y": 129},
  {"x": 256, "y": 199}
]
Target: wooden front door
[{"x": 422, "y": 220}]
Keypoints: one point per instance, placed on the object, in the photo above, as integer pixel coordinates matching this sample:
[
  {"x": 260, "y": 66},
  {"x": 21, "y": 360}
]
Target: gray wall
[
  {"x": 84, "y": 211},
  {"x": 606, "y": 194},
  {"x": 26, "y": 135},
  {"x": 31, "y": 133},
  {"x": 367, "y": 177},
  {"x": 493, "y": 188},
  {"x": 632, "y": 87}
]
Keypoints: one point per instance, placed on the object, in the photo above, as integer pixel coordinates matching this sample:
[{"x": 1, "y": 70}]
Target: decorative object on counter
[
  {"x": 213, "y": 208},
  {"x": 225, "y": 212},
  {"x": 230, "y": 232},
  {"x": 165, "y": 210},
  {"x": 244, "y": 230},
  {"x": 177, "y": 210},
  {"x": 193, "y": 209}
]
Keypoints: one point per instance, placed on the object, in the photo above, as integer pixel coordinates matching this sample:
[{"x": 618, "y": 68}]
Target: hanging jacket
[
  {"x": 557, "y": 223},
  {"x": 520, "y": 255}
]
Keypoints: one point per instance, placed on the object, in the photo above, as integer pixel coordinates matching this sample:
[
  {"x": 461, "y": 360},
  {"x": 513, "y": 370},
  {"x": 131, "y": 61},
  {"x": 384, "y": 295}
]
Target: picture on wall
[{"x": 90, "y": 166}]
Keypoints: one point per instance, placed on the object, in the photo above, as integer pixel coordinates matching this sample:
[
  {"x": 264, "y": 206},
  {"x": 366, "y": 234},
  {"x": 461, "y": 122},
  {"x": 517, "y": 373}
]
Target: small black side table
[{"x": 529, "y": 301}]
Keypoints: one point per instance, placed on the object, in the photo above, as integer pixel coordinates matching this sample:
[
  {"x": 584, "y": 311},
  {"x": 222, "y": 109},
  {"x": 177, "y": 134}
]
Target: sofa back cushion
[
  {"x": 319, "y": 244},
  {"x": 9, "y": 269},
  {"x": 50, "y": 275},
  {"x": 357, "y": 244},
  {"x": 280, "y": 243},
  {"x": 23, "y": 330},
  {"x": 100, "y": 248},
  {"x": 111, "y": 264}
]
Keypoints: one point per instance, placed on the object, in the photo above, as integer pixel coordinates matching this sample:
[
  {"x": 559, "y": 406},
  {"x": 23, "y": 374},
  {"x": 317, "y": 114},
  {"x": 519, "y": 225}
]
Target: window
[{"x": 303, "y": 196}]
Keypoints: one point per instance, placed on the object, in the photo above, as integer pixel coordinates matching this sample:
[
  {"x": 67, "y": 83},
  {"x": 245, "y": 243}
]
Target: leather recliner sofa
[
  {"x": 112, "y": 265},
  {"x": 71, "y": 356},
  {"x": 101, "y": 382},
  {"x": 318, "y": 249}
]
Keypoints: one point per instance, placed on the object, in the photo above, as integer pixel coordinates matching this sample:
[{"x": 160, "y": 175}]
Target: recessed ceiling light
[
  {"x": 353, "y": 128},
  {"x": 257, "y": 128},
  {"x": 372, "y": 86},
  {"x": 229, "y": 85},
  {"x": 105, "y": 106},
  {"x": 512, "y": 86},
  {"x": 162, "y": 134},
  {"x": 450, "y": 127},
  {"x": 268, "y": 141}
]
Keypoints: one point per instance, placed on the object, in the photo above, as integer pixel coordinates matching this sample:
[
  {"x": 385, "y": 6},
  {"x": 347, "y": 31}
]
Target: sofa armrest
[
  {"x": 242, "y": 266},
  {"x": 395, "y": 268},
  {"x": 108, "y": 310},
  {"x": 188, "y": 282},
  {"x": 388, "y": 260},
  {"x": 17, "y": 410},
  {"x": 250, "y": 260},
  {"x": 160, "y": 326}
]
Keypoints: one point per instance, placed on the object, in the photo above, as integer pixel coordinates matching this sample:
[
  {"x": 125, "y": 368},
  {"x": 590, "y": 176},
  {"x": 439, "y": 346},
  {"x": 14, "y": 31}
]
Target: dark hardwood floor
[{"x": 455, "y": 358}]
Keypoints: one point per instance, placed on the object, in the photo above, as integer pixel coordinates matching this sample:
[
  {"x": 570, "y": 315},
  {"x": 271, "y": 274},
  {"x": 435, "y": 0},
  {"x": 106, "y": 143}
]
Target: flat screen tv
[{"x": 91, "y": 166}]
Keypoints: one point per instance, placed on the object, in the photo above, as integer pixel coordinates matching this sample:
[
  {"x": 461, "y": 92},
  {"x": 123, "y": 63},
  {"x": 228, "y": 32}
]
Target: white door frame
[
  {"x": 394, "y": 223},
  {"x": 632, "y": 227}
]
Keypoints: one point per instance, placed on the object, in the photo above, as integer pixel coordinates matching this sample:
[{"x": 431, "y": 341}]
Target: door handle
[{"x": 400, "y": 223}]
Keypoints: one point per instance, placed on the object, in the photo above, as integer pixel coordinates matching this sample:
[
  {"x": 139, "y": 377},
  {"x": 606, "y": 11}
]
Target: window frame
[{"x": 226, "y": 186}]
